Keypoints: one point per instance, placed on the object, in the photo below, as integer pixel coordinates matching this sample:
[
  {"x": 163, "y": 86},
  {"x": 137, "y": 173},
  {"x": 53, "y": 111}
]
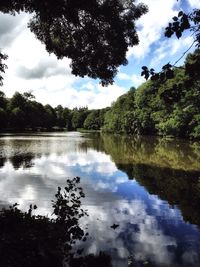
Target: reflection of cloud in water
[
  {"x": 38, "y": 184},
  {"x": 138, "y": 233},
  {"x": 87, "y": 163}
]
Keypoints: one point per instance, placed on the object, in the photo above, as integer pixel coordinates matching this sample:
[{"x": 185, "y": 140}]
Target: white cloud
[
  {"x": 134, "y": 78},
  {"x": 66, "y": 95},
  {"x": 194, "y": 3},
  {"x": 168, "y": 48},
  {"x": 150, "y": 26},
  {"x": 31, "y": 68},
  {"x": 88, "y": 86},
  {"x": 147, "y": 242},
  {"x": 10, "y": 28}
]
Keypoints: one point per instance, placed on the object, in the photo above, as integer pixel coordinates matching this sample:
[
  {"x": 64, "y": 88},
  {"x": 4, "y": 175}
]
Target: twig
[{"x": 184, "y": 53}]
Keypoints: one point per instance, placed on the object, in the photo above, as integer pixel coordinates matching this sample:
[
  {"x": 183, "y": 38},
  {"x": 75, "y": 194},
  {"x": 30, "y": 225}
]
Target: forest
[
  {"x": 167, "y": 108},
  {"x": 22, "y": 112}
]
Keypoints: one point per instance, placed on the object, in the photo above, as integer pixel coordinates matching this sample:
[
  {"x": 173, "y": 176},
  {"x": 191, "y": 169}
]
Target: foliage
[
  {"x": 63, "y": 117},
  {"x": 92, "y": 122},
  {"x": 78, "y": 117},
  {"x": 167, "y": 108},
  {"x": 22, "y": 111},
  {"x": 184, "y": 22},
  {"x": 95, "y": 35},
  {"x": 180, "y": 23},
  {"x": 30, "y": 240},
  {"x": 2, "y": 66},
  {"x": 115, "y": 117}
]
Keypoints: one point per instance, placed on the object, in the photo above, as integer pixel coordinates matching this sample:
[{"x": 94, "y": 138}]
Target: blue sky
[{"x": 31, "y": 68}]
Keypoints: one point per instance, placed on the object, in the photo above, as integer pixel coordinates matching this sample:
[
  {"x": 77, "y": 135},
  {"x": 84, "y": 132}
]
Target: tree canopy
[
  {"x": 94, "y": 34},
  {"x": 170, "y": 108}
]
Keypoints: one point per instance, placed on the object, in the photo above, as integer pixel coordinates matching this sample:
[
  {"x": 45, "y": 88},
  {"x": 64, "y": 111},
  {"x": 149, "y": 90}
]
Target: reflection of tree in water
[
  {"x": 178, "y": 187},
  {"x": 2, "y": 162},
  {"x": 22, "y": 160},
  {"x": 162, "y": 152},
  {"x": 34, "y": 240},
  {"x": 167, "y": 168}
]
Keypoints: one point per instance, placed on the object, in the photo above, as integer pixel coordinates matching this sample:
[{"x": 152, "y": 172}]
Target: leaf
[
  {"x": 178, "y": 34},
  {"x": 168, "y": 32},
  {"x": 180, "y": 13},
  {"x": 185, "y": 23},
  {"x": 146, "y": 76},
  {"x": 144, "y": 68},
  {"x": 175, "y": 18}
]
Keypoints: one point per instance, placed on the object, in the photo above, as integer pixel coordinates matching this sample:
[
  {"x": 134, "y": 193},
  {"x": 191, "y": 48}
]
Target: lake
[{"x": 148, "y": 187}]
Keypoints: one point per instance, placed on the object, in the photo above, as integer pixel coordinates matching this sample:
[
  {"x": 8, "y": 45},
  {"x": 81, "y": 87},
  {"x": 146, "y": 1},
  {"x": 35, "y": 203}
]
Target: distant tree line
[{"x": 22, "y": 111}]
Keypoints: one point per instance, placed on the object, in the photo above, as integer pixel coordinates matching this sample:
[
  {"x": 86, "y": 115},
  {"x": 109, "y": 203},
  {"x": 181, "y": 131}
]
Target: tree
[
  {"x": 92, "y": 122},
  {"x": 3, "y": 118},
  {"x": 66, "y": 114},
  {"x": 3, "y": 100},
  {"x": 78, "y": 117},
  {"x": 115, "y": 117},
  {"x": 94, "y": 34},
  {"x": 167, "y": 108},
  {"x": 50, "y": 116},
  {"x": 17, "y": 101},
  {"x": 3, "y": 66},
  {"x": 17, "y": 118}
]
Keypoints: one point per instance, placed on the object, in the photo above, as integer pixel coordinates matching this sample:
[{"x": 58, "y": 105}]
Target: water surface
[{"x": 149, "y": 187}]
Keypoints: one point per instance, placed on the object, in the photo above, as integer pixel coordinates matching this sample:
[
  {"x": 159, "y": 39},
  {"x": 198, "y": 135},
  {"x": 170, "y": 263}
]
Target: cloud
[
  {"x": 150, "y": 26},
  {"x": 45, "y": 68},
  {"x": 194, "y": 3},
  {"x": 31, "y": 68},
  {"x": 10, "y": 28},
  {"x": 138, "y": 234},
  {"x": 61, "y": 91},
  {"x": 134, "y": 78},
  {"x": 169, "y": 48}
]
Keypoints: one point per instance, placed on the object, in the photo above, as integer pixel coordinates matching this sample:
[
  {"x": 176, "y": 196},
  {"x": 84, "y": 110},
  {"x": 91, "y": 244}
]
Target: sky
[{"x": 32, "y": 69}]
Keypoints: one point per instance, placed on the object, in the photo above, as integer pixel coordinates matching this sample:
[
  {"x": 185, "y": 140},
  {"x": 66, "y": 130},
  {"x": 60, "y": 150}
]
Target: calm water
[{"x": 149, "y": 187}]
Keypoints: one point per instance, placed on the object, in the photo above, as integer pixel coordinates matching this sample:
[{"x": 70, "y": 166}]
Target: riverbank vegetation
[
  {"x": 22, "y": 112},
  {"x": 167, "y": 108},
  {"x": 37, "y": 240},
  {"x": 170, "y": 107}
]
